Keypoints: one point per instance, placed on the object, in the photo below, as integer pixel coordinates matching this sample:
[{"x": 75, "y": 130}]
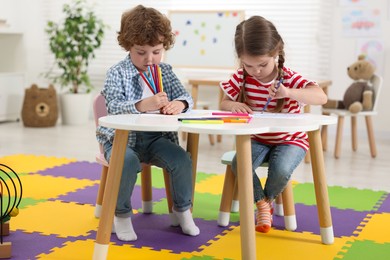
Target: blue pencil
[{"x": 269, "y": 99}]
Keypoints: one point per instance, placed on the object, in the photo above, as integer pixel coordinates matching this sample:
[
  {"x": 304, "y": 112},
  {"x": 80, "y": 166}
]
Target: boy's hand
[
  {"x": 153, "y": 103},
  {"x": 173, "y": 108}
]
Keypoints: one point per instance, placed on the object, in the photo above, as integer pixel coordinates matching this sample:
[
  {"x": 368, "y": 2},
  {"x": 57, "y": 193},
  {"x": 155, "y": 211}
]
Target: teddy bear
[
  {"x": 40, "y": 107},
  {"x": 359, "y": 96}
]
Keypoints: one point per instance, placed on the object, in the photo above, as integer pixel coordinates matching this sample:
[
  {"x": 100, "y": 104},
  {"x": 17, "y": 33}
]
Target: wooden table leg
[
  {"x": 320, "y": 186},
  {"x": 245, "y": 186},
  {"x": 192, "y": 148},
  {"x": 110, "y": 195}
]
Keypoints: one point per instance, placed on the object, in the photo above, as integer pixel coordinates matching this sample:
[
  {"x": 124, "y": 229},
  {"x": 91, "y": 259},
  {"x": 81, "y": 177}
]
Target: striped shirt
[
  {"x": 123, "y": 88},
  {"x": 257, "y": 95}
]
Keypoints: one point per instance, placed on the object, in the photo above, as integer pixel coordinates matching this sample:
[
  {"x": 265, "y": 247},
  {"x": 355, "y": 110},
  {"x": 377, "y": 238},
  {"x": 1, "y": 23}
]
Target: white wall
[{"x": 28, "y": 16}]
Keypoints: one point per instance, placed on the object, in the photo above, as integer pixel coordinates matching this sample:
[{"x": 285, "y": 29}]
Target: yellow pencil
[{"x": 160, "y": 78}]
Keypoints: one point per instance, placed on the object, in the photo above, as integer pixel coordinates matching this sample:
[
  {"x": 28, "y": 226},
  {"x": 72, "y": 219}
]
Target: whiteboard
[{"x": 204, "y": 39}]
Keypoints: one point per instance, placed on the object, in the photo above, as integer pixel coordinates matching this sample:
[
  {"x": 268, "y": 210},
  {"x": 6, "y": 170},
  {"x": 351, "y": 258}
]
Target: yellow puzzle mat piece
[
  {"x": 83, "y": 249},
  {"x": 277, "y": 244},
  {"x": 68, "y": 219},
  {"x": 22, "y": 163},
  {"x": 45, "y": 187},
  {"x": 377, "y": 229},
  {"x": 214, "y": 184}
]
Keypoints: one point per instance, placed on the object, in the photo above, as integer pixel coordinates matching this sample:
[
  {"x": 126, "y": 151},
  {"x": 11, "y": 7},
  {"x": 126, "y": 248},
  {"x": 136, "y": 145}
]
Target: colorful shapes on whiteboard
[
  {"x": 203, "y": 24},
  {"x": 235, "y": 14},
  {"x": 220, "y": 14},
  {"x": 188, "y": 22},
  {"x": 203, "y": 38},
  {"x": 218, "y": 27},
  {"x": 196, "y": 32},
  {"x": 202, "y": 52},
  {"x": 176, "y": 32},
  {"x": 215, "y": 40},
  {"x": 184, "y": 43}
]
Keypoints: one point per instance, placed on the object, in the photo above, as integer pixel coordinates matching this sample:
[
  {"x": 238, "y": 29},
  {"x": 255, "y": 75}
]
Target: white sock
[
  {"x": 186, "y": 222},
  {"x": 124, "y": 229}
]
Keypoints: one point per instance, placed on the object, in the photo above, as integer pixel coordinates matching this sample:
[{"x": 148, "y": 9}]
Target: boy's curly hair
[{"x": 145, "y": 26}]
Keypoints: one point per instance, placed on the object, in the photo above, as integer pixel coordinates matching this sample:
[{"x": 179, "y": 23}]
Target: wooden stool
[{"x": 284, "y": 203}]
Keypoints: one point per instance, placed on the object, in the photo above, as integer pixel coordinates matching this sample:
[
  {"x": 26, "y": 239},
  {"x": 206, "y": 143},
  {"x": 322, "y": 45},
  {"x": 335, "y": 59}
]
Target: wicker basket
[{"x": 40, "y": 107}]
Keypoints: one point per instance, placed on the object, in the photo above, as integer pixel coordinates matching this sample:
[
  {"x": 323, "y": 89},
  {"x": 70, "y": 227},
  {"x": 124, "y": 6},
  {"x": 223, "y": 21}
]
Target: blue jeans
[
  {"x": 153, "y": 148},
  {"x": 282, "y": 161}
]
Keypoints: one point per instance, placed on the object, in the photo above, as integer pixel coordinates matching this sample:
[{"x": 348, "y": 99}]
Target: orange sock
[{"x": 263, "y": 216}]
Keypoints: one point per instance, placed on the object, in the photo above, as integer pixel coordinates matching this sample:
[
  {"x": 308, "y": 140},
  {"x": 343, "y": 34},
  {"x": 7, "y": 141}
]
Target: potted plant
[{"x": 73, "y": 42}]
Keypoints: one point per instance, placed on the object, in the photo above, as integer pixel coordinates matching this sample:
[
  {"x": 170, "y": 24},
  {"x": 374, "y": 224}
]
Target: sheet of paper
[{"x": 277, "y": 115}]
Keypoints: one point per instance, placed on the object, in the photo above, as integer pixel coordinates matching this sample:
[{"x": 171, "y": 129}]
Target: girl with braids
[{"x": 263, "y": 75}]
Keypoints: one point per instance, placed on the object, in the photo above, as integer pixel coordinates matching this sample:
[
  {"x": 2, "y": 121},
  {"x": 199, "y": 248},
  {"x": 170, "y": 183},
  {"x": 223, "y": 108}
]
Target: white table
[{"x": 262, "y": 124}]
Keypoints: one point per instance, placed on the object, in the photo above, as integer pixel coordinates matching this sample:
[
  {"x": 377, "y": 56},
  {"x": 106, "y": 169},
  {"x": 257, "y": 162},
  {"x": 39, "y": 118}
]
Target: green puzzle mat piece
[{"x": 340, "y": 197}]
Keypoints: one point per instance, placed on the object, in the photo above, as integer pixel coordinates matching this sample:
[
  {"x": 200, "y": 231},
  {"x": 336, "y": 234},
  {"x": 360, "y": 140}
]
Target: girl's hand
[
  {"x": 238, "y": 107},
  {"x": 173, "y": 108},
  {"x": 276, "y": 91}
]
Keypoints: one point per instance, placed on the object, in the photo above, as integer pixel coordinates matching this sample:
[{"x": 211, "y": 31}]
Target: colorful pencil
[
  {"x": 202, "y": 121},
  {"x": 147, "y": 82},
  {"x": 269, "y": 99},
  {"x": 229, "y": 114},
  {"x": 153, "y": 78},
  {"x": 214, "y": 118}
]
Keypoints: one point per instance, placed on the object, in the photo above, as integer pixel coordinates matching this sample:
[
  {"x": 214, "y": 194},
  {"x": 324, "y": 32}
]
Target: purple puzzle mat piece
[
  {"x": 29, "y": 245},
  {"x": 155, "y": 231},
  {"x": 78, "y": 170},
  {"x": 88, "y": 196},
  {"x": 345, "y": 221},
  {"x": 385, "y": 206},
  {"x": 81, "y": 196}
]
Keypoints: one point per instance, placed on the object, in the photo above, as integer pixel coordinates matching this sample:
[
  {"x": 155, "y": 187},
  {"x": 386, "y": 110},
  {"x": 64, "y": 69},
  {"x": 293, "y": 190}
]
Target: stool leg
[
  {"x": 172, "y": 216},
  {"x": 146, "y": 187},
  {"x": 227, "y": 196},
  {"x": 235, "y": 201},
  {"x": 371, "y": 138},
  {"x": 278, "y": 210},
  {"x": 354, "y": 133},
  {"x": 290, "y": 219},
  {"x": 99, "y": 198}
]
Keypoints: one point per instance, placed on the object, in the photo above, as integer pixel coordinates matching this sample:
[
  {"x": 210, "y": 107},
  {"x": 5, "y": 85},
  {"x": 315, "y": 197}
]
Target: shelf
[{"x": 9, "y": 31}]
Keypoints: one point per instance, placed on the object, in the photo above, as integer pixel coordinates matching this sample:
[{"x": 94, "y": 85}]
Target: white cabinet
[
  {"x": 12, "y": 77},
  {"x": 11, "y": 96}
]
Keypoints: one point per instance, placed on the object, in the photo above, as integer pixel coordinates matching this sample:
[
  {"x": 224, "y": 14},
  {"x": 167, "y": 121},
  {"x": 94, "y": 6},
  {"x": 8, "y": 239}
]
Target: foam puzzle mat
[{"x": 56, "y": 219}]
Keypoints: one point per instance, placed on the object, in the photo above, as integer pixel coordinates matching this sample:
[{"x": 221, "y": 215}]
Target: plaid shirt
[{"x": 123, "y": 89}]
